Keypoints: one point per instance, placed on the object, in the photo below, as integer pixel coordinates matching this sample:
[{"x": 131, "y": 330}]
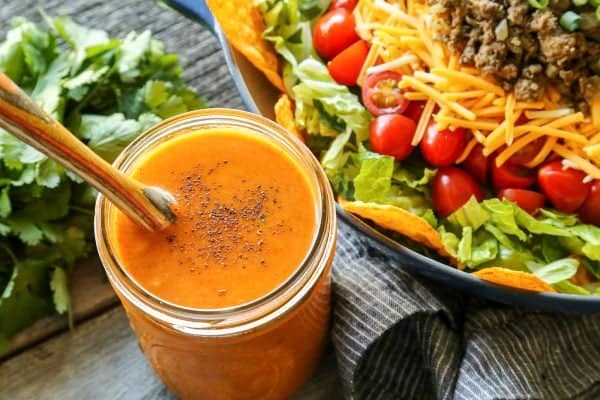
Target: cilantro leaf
[
  {"x": 26, "y": 297},
  {"x": 60, "y": 290},
  {"x": 108, "y": 135}
]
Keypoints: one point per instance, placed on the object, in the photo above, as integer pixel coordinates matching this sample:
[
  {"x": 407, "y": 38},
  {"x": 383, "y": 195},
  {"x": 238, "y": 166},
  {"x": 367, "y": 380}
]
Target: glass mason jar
[{"x": 264, "y": 349}]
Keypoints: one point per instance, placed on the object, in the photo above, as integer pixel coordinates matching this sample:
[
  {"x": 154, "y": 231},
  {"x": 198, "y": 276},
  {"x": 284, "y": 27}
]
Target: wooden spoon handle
[{"x": 22, "y": 117}]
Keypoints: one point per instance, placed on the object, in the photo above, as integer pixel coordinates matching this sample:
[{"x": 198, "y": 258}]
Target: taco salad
[{"x": 471, "y": 127}]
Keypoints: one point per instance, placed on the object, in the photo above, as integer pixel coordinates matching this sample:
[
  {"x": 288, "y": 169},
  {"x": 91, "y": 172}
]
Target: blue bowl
[{"x": 259, "y": 96}]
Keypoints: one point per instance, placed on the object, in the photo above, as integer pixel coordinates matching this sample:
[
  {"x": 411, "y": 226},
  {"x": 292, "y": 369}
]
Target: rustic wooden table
[{"x": 100, "y": 358}]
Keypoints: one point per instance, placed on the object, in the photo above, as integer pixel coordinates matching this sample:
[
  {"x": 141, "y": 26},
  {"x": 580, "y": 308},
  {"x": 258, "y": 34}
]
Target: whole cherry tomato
[
  {"x": 512, "y": 176},
  {"x": 564, "y": 187},
  {"x": 346, "y": 66},
  {"x": 333, "y": 32},
  {"x": 590, "y": 210},
  {"x": 347, "y": 4},
  {"x": 522, "y": 120},
  {"x": 477, "y": 164},
  {"x": 452, "y": 188},
  {"x": 442, "y": 148},
  {"x": 528, "y": 200},
  {"x": 392, "y": 134},
  {"x": 415, "y": 110},
  {"x": 527, "y": 153},
  {"x": 381, "y": 94}
]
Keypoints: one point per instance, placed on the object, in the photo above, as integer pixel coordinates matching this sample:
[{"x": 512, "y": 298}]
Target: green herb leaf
[{"x": 60, "y": 290}]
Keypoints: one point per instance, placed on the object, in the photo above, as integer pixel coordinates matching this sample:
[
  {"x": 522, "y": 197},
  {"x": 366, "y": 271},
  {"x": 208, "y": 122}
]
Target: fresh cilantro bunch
[{"x": 104, "y": 90}]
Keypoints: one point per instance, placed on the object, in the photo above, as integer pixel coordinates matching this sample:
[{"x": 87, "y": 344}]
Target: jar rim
[{"x": 246, "y": 316}]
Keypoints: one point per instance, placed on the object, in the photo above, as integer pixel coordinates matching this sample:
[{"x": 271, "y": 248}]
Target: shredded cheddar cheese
[{"x": 401, "y": 36}]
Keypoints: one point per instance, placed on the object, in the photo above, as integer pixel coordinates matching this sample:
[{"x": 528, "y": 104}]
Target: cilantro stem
[
  {"x": 10, "y": 253},
  {"x": 84, "y": 102},
  {"x": 82, "y": 210}
]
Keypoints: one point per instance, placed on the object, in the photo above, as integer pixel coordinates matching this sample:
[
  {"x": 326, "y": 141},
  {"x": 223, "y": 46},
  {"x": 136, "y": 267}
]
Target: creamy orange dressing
[
  {"x": 250, "y": 204},
  {"x": 246, "y": 220}
]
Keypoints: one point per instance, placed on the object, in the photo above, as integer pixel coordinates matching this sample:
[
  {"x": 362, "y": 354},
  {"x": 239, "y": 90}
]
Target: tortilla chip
[
  {"x": 513, "y": 279},
  {"x": 284, "y": 115},
  {"x": 398, "y": 220},
  {"x": 243, "y": 26}
]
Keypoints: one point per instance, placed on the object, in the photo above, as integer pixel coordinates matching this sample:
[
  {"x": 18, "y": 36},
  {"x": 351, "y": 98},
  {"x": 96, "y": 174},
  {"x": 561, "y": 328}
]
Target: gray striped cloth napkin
[{"x": 398, "y": 336}]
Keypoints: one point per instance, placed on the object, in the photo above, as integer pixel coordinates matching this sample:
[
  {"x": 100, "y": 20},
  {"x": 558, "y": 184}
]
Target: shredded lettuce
[
  {"x": 499, "y": 233},
  {"x": 381, "y": 180},
  {"x": 472, "y": 215},
  {"x": 555, "y": 272},
  {"x": 323, "y": 108},
  {"x": 289, "y": 26},
  {"x": 374, "y": 182},
  {"x": 318, "y": 90}
]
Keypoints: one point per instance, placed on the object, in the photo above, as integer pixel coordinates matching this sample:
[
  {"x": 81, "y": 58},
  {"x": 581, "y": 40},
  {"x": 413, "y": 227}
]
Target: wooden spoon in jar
[{"x": 147, "y": 205}]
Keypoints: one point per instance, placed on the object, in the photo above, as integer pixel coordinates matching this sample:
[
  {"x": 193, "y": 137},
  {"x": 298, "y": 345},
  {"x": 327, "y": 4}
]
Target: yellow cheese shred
[{"x": 466, "y": 98}]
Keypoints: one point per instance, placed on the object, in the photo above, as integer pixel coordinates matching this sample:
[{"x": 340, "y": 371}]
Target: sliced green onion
[
  {"x": 598, "y": 13},
  {"x": 539, "y": 3},
  {"x": 580, "y": 3},
  {"x": 570, "y": 20},
  {"x": 595, "y": 3}
]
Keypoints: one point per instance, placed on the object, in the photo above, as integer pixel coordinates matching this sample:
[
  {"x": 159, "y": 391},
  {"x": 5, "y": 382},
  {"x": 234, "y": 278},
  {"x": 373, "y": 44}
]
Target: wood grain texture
[{"x": 101, "y": 360}]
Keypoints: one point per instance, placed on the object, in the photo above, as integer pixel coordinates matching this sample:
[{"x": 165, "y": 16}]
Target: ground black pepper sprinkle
[{"x": 226, "y": 230}]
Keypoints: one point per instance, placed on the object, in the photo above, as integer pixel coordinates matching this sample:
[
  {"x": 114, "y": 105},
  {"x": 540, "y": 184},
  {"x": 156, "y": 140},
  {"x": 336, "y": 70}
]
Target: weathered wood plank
[{"x": 101, "y": 360}]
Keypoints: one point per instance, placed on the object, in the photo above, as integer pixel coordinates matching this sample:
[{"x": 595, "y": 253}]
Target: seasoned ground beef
[{"x": 523, "y": 47}]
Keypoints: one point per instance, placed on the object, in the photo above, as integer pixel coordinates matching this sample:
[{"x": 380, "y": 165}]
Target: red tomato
[
  {"x": 563, "y": 187},
  {"x": 528, "y": 200},
  {"x": 522, "y": 120},
  {"x": 391, "y": 135},
  {"x": 347, "y": 4},
  {"x": 346, "y": 66},
  {"x": 415, "y": 110},
  {"x": 477, "y": 164},
  {"x": 333, "y": 32},
  {"x": 381, "y": 94},
  {"x": 590, "y": 210},
  {"x": 512, "y": 176},
  {"x": 442, "y": 148},
  {"x": 527, "y": 153},
  {"x": 452, "y": 188}
]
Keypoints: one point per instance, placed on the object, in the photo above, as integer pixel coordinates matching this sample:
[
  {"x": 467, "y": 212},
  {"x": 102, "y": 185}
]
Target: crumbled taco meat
[{"x": 523, "y": 47}]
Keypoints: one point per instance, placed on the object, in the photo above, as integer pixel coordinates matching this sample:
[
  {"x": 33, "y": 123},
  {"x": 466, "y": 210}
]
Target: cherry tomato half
[
  {"x": 512, "y": 176},
  {"x": 381, "y": 94},
  {"x": 442, "y": 148},
  {"x": 528, "y": 200},
  {"x": 347, "y": 4},
  {"x": 590, "y": 210},
  {"x": 452, "y": 188},
  {"x": 392, "y": 135},
  {"x": 563, "y": 187},
  {"x": 346, "y": 66},
  {"x": 333, "y": 32},
  {"x": 415, "y": 110},
  {"x": 477, "y": 164}
]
